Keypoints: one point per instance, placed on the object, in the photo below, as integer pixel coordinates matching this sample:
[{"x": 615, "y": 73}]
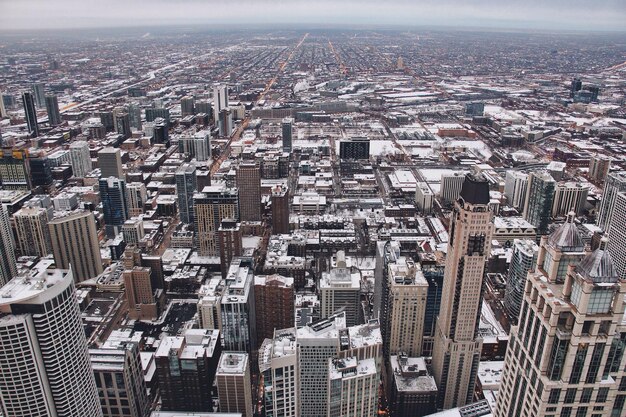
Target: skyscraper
[
  {"x": 457, "y": 347},
  {"x": 539, "y": 199},
  {"x": 352, "y": 387},
  {"x": 515, "y": 188},
  {"x": 278, "y": 362},
  {"x": 230, "y": 243},
  {"x": 274, "y": 304},
  {"x": 340, "y": 289},
  {"x": 142, "y": 304},
  {"x": 114, "y": 204},
  {"x": 220, "y": 100},
  {"x": 234, "y": 389},
  {"x": 599, "y": 166},
  {"x": 524, "y": 259},
  {"x": 249, "y": 184},
  {"x": 280, "y": 210},
  {"x": 43, "y": 350},
  {"x": 8, "y": 268},
  {"x": 237, "y": 308},
  {"x": 615, "y": 183},
  {"x": 569, "y": 196},
  {"x": 15, "y": 169},
  {"x": 110, "y": 163},
  {"x": 186, "y": 186},
  {"x": 32, "y": 232},
  {"x": 134, "y": 114},
  {"x": 225, "y": 122},
  {"x": 30, "y": 113},
  {"x": 187, "y": 106},
  {"x": 52, "y": 108},
  {"x": 122, "y": 124},
  {"x": 74, "y": 240},
  {"x": 616, "y": 230},
  {"x": 451, "y": 185},
  {"x": 354, "y": 148},
  {"x": 39, "y": 94},
  {"x": 210, "y": 207},
  {"x": 287, "y": 129},
  {"x": 562, "y": 248},
  {"x": 566, "y": 356},
  {"x": 80, "y": 158}
]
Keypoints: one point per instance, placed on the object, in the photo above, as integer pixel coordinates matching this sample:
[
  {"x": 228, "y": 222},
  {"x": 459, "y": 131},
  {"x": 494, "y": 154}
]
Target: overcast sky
[{"x": 543, "y": 14}]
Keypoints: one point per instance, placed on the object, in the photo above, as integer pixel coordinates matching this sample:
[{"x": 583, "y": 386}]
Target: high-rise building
[
  {"x": 230, "y": 243},
  {"x": 210, "y": 207},
  {"x": 32, "y": 232},
  {"x": 615, "y": 183},
  {"x": 197, "y": 146},
  {"x": 134, "y": 114},
  {"x": 186, "y": 367},
  {"x": 225, "y": 122},
  {"x": 575, "y": 86},
  {"x": 114, "y": 204},
  {"x": 457, "y": 347},
  {"x": 136, "y": 197},
  {"x": 352, "y": 387},
  {"x": 539, "y": 199},
  {"x": 249, "y": 184},
  {"x": 120, "y": 381},
  {"x": 354, "y": 148},
  {"x": 15, "y": 169},
  {"x": 142, "y": 302},
  {"x": 52, "y": 108},
  {"x": 8, "y": 268},
  {"x": 280, "y": 210},
  {"x": 220, "y": 100},
  {"x": 153, "y": 113},
  {"x": 274, "y": 304},
  {"x": 74, "y": 240},
  {"x": 122, "y": 124},
  {"x": 30, "y": 113},
  {"x": 524, "y": 259},
  {"x": 160, "y": 133},
  {"x": 515, "y": 188},
  {"x": 340, "y": 290},
  {"x": 39, "y": 94},
  {"x": 287, "y": 129},
  {"x": 80, "y": 158},
  {"x": 237, "y": 308},
  {"x": 424, "y": 197},
  {"x": 566, "y": 356},
  {"x": 40, "y": 170},
  {"x": 413, "y": 388},
  {"x": 569, "y": 196},
  {"x": 187, "y": 106},
  {"x": 110, "y": 163},
  {"x": 107, "y": 120},
  {"x": 43, "y": 349},
  {"x": 278, "y": 363},
  {"x": 451, "y": 185},
  {"x": 186, "y": 186},
  {"x": 234, "y": 388},
  {"x": 616, "y": 230},
  {"x": 599, "y": 166}
]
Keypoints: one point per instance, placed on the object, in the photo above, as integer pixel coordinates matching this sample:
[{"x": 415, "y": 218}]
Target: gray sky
[{"x": 546, "y": 14}]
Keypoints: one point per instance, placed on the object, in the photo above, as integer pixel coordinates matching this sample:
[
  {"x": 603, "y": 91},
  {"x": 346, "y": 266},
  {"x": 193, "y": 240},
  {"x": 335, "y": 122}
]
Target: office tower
[
  {"x": 39, "y": 94},
  {"x": 234, "y": 388},
  {"x": 352, "y": 387},
  {"x": 3, "y": 110},
  {"x": 566, "y": 356},
  {"x": 209, "y": 304},
  {"x": 354, "y": 148},
  {"x": 230, "y": 243},
  {"x": 40, "y": 170},
  {"x": 187, "y": 106},
  {"x": 52, "y": 108},
  {"x": 80, "y": 158},
  {"x": 569, "y": 196},
  {"x": 15, "y": 169},
  {"x": 160, "y": 133},
  {"x": 134, "y": 114},
  {"x": 110, "y": 163},
  {"x": 539, "y": 199},
  {"x": 122, "y": 124},
  {"x": 515, "y": 188},
  {"x": 107, "y": 120},
  {"x": 197, "y": 146},
  {"x": 133, "y": 231},
  {"x": 142, "y": 303},
  {"x": 599, "y": 166},
  {"x": 210, "y": 207},
  {"x": 274, "y": 304},
  {"x": 32, "y": 232},
  {"x": 237, "y": 308},
  {"x": 434, "y": 275},
  {"x": 249, "y": 184},
  {"x": 457, "y": 347},
  {"x": 616, "y": 230},
  {"x": 186, "y": 186},
  {"x": 405, "y": 297},
  {"x": 340, "y": 290},
  {"x": 75, "y": 242},
  {"x": 225, "y": 122},
  {"x": 413, "y": 389},
  {"x": 203, "y": 106},
  {"x": 475, "y": 109},
  {"x": 114, "y": 205},
  {"x": 153, "y": 113},
  {"x": 524, "y": 260},
  {"x": 30, "y": 113},
  {"x": 562, "y": 248},
  {"x": 278, "y": 363},
  {"x": 8, "y": 268},
  {"x": 43, "y": 350},
  {"x": 615, "y": 183},
  {"x": 575, "y": 86},
  {"x": 136, "y": 197},
  {"x": 120, "y": 380},
  {"x": 186, "y": 367},
  {"x": 280, "y": 210},
  {"x": 424, "y": 198},
  {"x": 220, "y": 100},
  {"x": 287, "y": 128},
  {"x": 451, "y": 185}
]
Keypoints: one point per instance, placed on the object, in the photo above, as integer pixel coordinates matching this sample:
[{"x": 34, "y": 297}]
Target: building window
[{"x": 555, "y": 394}]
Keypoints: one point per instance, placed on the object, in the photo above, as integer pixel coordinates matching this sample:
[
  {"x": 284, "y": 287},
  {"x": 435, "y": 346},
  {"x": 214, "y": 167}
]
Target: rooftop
[{"x": 232, "y": 363}]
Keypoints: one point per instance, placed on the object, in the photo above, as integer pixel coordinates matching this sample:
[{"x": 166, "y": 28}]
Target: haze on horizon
[{"x": 599, "y": 15}]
